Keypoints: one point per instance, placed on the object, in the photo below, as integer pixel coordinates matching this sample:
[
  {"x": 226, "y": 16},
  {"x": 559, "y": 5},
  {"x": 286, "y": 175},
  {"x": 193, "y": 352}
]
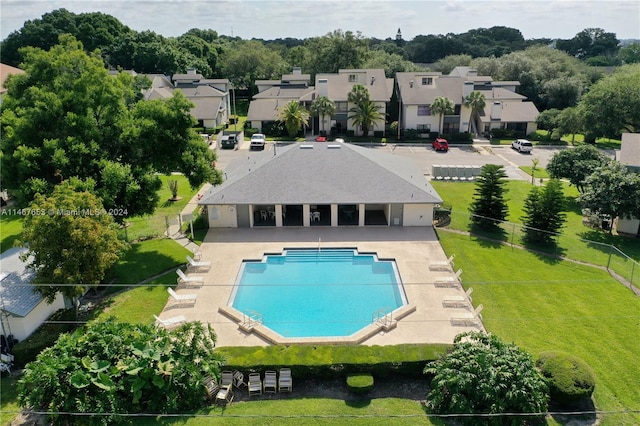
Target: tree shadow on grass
[
  {"x": 488, "y": 236},
  {"x": 550, "y": 253},
  {"x": 586, "y": 405}
]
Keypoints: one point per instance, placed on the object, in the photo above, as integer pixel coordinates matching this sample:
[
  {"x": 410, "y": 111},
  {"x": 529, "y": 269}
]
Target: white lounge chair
[
  {"x": 442, "y": 264},
  {"x": 171, "y": 322},
  {"x": 197, "y": 265},
  {"x": 184, "y": 279},
  {"x": 255, "y": 384},
  {"x": 225, "y": 394},
  {"x": 182, "y": 298},
  {"x": 226, "y": 378},
  {"x": 270, "y": 382},
  {"x": 468, "y": 318},
  {"x": 449, "y": 281},
  {"x": 6, "y": 361},
  {"x": 285, "y": 382},
  {"x": 458, "y": 300}
]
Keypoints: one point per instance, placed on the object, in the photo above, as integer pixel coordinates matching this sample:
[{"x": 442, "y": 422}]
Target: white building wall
[
  {"x": 412, "y": 119},
  {"x": 418, "y": 215},
  {"x": 222, "y": 216},
  {"x": 22, "y": 327},
  {"x": 628, "y": 226}
]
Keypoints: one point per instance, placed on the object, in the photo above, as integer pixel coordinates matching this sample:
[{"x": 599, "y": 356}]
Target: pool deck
[{"x": 412, "y": 248}]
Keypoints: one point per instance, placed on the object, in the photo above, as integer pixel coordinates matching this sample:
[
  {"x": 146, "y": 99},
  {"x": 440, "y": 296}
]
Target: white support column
[
  {"x": 251, "y": 216},
  {"x": 306, "y": 210},
  {"x": 361, "y": 214},
  {"x": 334, "y": 215},
  {"x": 278, "y": 215}
]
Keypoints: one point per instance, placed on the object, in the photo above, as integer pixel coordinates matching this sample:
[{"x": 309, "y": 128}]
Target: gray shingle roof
[
  {"x": 322, "y": 174},
  {"x": 16, "y": 294}
]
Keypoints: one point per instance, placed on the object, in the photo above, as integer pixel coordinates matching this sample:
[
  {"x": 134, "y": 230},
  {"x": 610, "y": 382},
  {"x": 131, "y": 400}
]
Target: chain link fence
[
  {"x": 567, "y": 246},
  {"x": 147, "y": 227}
]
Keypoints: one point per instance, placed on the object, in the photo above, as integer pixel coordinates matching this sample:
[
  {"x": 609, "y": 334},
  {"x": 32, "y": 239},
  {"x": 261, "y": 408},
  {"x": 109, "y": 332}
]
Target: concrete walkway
[{"x": 412, "y": 248}]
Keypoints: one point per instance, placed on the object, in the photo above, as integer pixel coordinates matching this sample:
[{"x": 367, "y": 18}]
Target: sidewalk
[{"x": 174, "y": 229}]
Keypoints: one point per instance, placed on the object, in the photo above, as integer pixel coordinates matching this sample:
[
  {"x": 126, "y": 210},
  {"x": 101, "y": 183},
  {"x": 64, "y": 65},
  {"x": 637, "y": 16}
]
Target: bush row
[{"x": 335, "y": 361}]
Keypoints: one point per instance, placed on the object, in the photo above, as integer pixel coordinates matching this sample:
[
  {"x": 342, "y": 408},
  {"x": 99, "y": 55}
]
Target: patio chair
[
  {"x": 196, "y": 265},
  {"x": 255, "y": 384},
  {"x": 211, "y": 388},
  {"x": 457, "y": 300},
  {"x": 468, "y": 318},
  {"x": 184, "y": 279},
  {"x": 285, "y": 382},
  {"x": 226, "y": 378},
  {"x": 238, "y": 379},
  {"x": 270, "y": 382},
  {"x": 182, "y": 298},
  {"x": 442, "y": 264},
  {"x": 171, "y": 322},
  {"x": 449, "y": 281},
  {"x": 225, "y": 394}
]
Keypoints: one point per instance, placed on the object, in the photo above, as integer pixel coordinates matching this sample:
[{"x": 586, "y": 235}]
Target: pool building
[{"x": 321, "y": 184}]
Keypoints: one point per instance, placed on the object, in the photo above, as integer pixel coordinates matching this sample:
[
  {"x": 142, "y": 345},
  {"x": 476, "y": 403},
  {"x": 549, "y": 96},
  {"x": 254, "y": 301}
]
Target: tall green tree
[
  {"x": 576, "y": 164},
  {"x": 612, "y": 191},
  {"x": 321, "y": 107},
  {"x": 67, "y": 117},
  {"x": 569, "y": 122},
  {"x": 442, "y": 106},
  {"x": 483, "y": 375},
  {"x": 365, "y": 115},
  {"x": 294, "y": 116},
  {"x": 335, "y": 51},
  {"x": 107, "y": 369},
  {"x": 544, "y": 212},
  {"x": 489, "y": 206},
  {"x": 244, "y": 62},
  {"x": 612, "y": 105},
  {"x": 476, "y": 101},
  {"x": 72, "y": 240}
]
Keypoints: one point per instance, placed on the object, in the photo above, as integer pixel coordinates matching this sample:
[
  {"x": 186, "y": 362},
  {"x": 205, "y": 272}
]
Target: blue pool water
[{"x": 311, "y": 293}]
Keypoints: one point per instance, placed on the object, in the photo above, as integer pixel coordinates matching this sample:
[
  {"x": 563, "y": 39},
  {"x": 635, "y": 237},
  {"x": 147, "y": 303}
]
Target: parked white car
[
  {"x": 522, "y": 145},
  {"x": 257, "y": 141}
]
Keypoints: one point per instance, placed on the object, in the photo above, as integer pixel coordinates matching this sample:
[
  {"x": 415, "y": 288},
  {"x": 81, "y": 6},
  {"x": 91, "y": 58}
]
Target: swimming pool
[{"x": 313, "y": 293}]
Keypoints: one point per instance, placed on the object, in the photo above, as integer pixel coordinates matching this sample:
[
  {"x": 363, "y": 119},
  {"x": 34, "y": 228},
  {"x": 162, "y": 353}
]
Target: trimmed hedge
[
  {"x": 335, "y": 361},
  {"x": 360, "y": 384},
  {"x": 570, "y": 379}
]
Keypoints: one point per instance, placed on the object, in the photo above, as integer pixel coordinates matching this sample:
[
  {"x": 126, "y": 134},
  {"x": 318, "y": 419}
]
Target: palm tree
[
  {"x": 294, "y": 117},
  {"x": 322, "y": 106},
  {"x": 476, "y": 101},
  {"x": 358, "y": 94},
  {"x": 442, "y": 105},
  {"x": 364, "y": 115}
]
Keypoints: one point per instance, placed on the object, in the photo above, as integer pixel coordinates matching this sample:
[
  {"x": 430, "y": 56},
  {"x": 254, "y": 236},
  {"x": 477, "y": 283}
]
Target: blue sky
[{"x": 373, "y": 18}]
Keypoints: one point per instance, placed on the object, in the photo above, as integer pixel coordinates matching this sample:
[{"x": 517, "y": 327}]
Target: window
[
  {"x": 353, "y": 78},
  {"x": 341, "y": 106},
  {"x": 424, "y": 109},
  {"x": 423, "y": 128},
  {"x": 427, "y": 81}
]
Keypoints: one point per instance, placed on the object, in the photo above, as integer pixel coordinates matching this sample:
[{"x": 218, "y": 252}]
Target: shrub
[
  {"x": 411, "y": 134},
  {"x": 378, "y": 133},
  {"x": 570, "y": 379},
  {"x": 248, "y": 132},
  {"x": 483, "y": 375},
  {"x": 360, "y": 384},
  {"x": 351, "y": 133}
]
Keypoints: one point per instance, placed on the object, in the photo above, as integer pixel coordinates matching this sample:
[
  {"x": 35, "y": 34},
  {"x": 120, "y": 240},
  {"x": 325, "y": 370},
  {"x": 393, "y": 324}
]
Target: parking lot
[{"x": 425, "y": 157}]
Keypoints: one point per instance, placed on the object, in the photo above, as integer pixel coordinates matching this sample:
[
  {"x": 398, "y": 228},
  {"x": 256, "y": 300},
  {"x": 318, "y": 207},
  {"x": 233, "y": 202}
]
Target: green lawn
[
  {"x": 10, "y": 230},
  {"x": 147, "y": 259},
  {"x": 166, "y": 213},
  {"x": 543, "y": 304},
  {"x": 541, "y": 173},
  {"x": 8, "y": 399}
]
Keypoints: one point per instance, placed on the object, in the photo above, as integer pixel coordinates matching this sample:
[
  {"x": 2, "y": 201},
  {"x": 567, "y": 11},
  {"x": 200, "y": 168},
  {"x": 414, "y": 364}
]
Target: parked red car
[{"x": 440, "y": 144}]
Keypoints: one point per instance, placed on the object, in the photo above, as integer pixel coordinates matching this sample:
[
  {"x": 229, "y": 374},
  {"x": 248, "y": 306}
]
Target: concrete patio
[{"x": 413, "y": 248}]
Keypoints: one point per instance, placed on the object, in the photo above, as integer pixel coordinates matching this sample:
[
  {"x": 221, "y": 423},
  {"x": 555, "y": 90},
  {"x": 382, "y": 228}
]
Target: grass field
[{"x": 10, "y": 229}]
